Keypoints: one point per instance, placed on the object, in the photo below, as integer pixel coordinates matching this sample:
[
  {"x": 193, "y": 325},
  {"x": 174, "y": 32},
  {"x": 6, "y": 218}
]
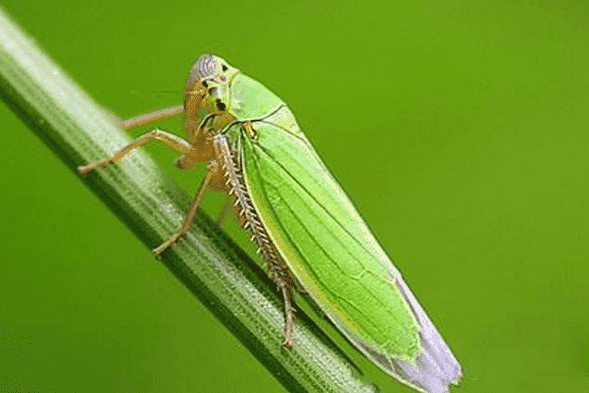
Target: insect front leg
[
  {"x": 159, "y": 114},
  {"x": 171, "y": 140}
]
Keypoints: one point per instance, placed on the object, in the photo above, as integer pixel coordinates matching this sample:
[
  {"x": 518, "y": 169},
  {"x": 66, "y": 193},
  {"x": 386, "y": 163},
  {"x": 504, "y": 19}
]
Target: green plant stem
[{"x": 211, "y": 266}]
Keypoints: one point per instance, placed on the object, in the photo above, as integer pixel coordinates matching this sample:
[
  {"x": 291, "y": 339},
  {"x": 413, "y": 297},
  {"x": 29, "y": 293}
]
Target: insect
[{"x": 303, "y": 224}]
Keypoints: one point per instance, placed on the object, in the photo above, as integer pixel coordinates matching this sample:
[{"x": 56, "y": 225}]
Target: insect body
[{"x": 302, "y": 222}]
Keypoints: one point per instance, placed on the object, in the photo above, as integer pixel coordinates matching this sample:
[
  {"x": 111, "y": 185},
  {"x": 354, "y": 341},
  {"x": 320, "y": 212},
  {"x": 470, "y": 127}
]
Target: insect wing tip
[{"x": 435, "y": 367}]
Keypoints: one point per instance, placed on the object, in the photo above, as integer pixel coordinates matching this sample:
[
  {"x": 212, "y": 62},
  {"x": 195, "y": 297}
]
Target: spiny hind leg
[
  {"x": 171, "y": 140},
  {"x": 289, "y": 317},
  {"x": 283, "y": 279},
  {"x": 277, "y": 269},
  {"x": 186, "y": 224}
]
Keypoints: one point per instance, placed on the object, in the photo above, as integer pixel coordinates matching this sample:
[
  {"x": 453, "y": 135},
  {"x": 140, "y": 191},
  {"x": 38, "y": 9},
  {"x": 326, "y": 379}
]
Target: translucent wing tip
[{"x": 436, "y": 367}]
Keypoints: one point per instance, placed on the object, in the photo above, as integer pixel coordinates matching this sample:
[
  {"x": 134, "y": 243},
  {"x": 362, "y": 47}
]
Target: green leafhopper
[{"x": 307, "y": 230}]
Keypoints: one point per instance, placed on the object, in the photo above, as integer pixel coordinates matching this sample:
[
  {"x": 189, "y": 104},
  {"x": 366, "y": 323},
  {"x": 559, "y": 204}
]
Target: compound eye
[{"x": 220, "y": 105}]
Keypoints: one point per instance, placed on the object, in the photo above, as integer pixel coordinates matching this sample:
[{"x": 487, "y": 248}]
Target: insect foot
[
  {"x": 174, "y": 239},
  {"x": 85, "y": 169}
]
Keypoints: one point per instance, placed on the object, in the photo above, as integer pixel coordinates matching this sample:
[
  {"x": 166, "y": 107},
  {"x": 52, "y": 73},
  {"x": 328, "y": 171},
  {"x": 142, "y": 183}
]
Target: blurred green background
[{"x": 459, "y": 129}]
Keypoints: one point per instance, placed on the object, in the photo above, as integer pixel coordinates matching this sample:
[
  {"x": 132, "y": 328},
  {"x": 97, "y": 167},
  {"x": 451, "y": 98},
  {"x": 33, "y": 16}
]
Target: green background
[{"x": 459, "y": 129}]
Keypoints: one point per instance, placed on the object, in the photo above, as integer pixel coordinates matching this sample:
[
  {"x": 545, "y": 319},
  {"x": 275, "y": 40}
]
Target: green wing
[
  {"x": 325, "y": 242},
  {"x": 331, "y": 251}
]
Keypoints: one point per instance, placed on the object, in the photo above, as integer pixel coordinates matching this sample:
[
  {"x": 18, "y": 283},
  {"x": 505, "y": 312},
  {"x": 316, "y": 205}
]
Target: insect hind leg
[
  {"x": 287, "y": 289},
  {"x": 277, "y": 269}
]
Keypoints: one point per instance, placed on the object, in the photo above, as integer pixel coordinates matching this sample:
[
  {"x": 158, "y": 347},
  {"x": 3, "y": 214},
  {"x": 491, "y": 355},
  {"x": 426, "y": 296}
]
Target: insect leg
[
  {"x": 146, "y": 118},
  {"x": 277, "y": 269},
  {"x": 171, "y": 140},
  {"x": 287, "y": 294},
  {"x": 192, "y": 210}
]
